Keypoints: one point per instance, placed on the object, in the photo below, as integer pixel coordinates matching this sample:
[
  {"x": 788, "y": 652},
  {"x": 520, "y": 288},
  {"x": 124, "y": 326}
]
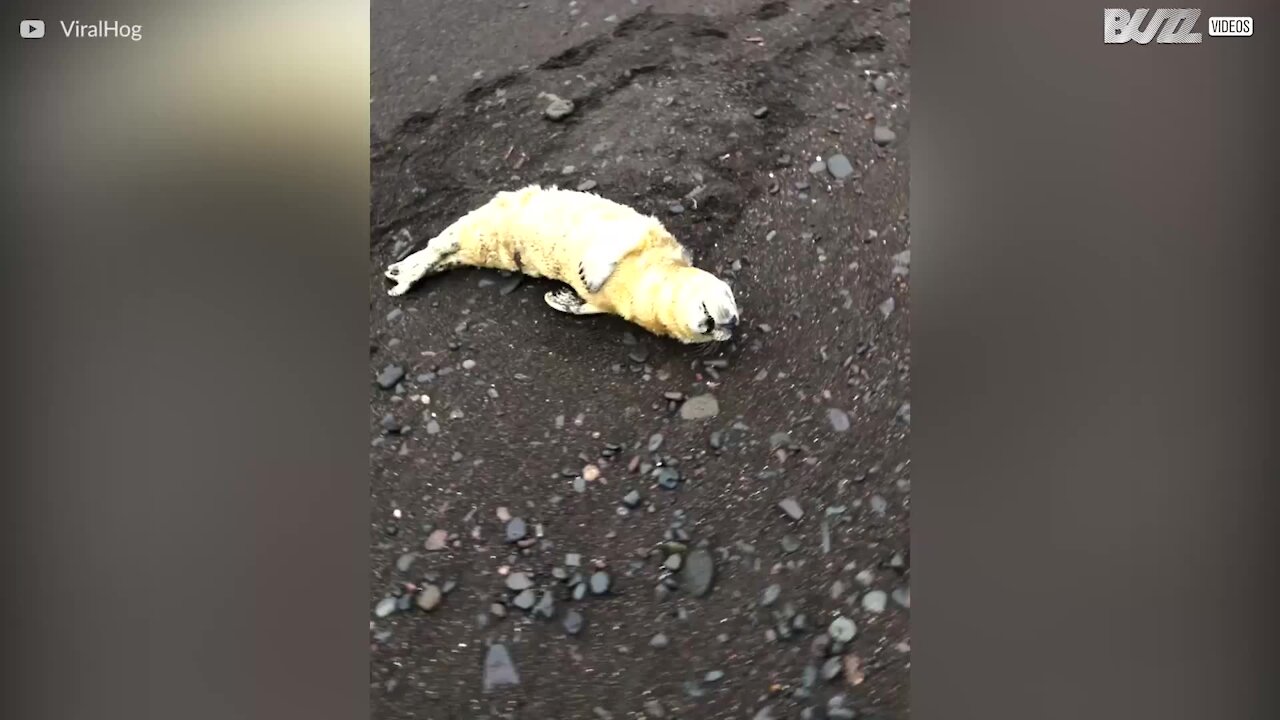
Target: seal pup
[{"x": 614, "y": 260}]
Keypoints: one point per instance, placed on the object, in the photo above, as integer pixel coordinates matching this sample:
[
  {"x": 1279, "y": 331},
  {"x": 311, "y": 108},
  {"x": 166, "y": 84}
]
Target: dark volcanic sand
[{"x": 670, "y": 109}]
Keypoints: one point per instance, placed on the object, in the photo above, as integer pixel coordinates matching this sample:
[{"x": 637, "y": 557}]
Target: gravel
[
  {"x": 516, "y": 530},
  {"x": 698, "y": 575},
  {"x": 558, "y": 109},
  {"x": 429, "y": 598},
  {"x": 882, "y": 135},
  {"x": 499, "y": 670},
  {"x": 573, "y": 622},
  {"x": 842, "y": 629},
  {"x": 700, "y": 407},
  {"x": 600, "y": 582},
  {"x": 524, "y": 600},
  {"x": 875, "y": 601},
  {"x": 839, "y": 420},
  {"x": 385, "y": 607},
  {"x": 518, "y": 581},
  {"x": 839, "y": 166},
  {"x": 390, "y": 376},
  {"x": 791, "y": 508}
]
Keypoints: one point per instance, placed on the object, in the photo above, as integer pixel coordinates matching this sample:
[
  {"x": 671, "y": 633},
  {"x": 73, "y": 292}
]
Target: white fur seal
[{"x": 614, "y": 259}]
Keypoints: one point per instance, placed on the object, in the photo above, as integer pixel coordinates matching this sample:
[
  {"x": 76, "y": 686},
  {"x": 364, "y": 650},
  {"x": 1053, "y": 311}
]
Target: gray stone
[
  {"x": 839, "y": 166},
  {"x": 653, "y": 709},
  {"x": 698, "y": 575},
  {"x": 875, "y": 601},
  {"x": 516, "y": 530},
  {"x": 700, "y": 407},
  {"x": 524, "y": 599},
  {"x": 600, "y": 582},
  {"x": 882, "y": 135},
  {"x": 842, "y": 629},
  {"x": 770, "y": 595},
  {"x": 573, "y": 622},
  {"x": 390, "y": 376},
  {"x": 791, "y": 508},
  {"x": 499, "y": 670},
  {"x": 886, "y": 308},
  {"x": 385, "y": 607},
  {"x": 559, "y": 108},
  {"x": 817, "y": 168},
  {"x": 518, "y": 581},
  {"x": 430, "y": 597},
  {"x": 659, "y": 641},
  {"x": 839, "y": 419}
]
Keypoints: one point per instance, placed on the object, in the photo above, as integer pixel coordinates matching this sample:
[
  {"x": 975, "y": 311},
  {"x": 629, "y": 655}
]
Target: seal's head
[{"x": 704, "y": 307}]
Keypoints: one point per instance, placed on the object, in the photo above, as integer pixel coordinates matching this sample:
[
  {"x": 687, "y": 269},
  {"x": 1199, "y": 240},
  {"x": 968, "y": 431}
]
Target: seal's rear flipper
[
  {"x": 567, "y": 301},
  {"x": 439, "y": 255}
]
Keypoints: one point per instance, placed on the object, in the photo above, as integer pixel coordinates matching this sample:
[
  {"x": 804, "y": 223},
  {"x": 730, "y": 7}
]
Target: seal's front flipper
[{"x": 567, "y": 301}]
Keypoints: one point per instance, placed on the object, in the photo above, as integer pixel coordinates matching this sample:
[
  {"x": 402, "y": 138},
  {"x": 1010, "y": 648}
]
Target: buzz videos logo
[
  {"x": 1167, "y": 26},
  {"x": 1173, "y": 25}
]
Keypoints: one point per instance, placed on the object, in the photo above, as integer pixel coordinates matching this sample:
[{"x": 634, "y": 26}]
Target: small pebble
[
  {"x": 791, "y": 508},
  {"x": 385, "y": 607},
  {"x": 882, "y": 135},
  {"x": 842, "y": 629},
  {"x": 437, "y": 540},
  {"x": 516, "y": 530},
  {"x": 499, "y": 670},
  {"x": 700, "y": 407},
  {"x": 839, "y": 166},
  {"x": 714, "y": 676},
  {"x": 839, "y": 419},
  {"x": 631, "y": 499},
  {"x": 573, "y": 622},
  {"x": 760, "y": 112},
  {"x": 518, "y": 581},
  {"x": 390, "y": 376},
  {"x": 429, "y": 598},
  {"x": 770, "y": 595},
  {"x": 524, "y": 599},
  {"x": 875, "y": 601},
  {"x": 600, "y": 582},
  {"x": 673, "y": 562},
  {"x": 698, "y": 575},
  {"x": 659, "y": 641}
]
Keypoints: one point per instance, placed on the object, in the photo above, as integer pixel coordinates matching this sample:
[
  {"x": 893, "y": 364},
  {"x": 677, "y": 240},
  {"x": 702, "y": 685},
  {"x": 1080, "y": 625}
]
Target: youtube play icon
[{"x": 31, "y": 29}]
